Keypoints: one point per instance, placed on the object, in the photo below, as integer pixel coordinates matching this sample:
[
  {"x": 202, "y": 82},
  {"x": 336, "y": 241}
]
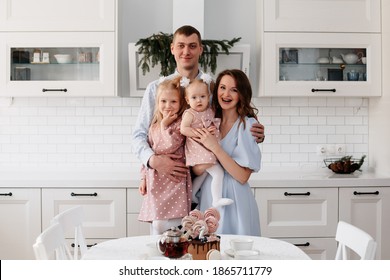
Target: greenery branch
[{"x": 156, "y": 49}]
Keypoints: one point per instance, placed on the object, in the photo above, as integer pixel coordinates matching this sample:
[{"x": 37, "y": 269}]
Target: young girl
[
  {"x": 166, "y": 201},
  {"x": 200, "y": 115},
  {"x": 237, "y": 152}
]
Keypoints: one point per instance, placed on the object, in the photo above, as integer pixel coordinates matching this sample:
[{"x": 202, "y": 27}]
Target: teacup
[
  {"x": 239, "y": 244},
  {"x": 247, "y": 255},
  {"x": 364, "y": 60}
]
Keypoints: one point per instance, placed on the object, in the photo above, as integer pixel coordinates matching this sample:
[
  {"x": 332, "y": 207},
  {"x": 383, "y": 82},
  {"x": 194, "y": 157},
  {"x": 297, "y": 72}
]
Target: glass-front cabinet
[
  {"x": 58, "y": 64},
  {"x": 321, "y": 64}
]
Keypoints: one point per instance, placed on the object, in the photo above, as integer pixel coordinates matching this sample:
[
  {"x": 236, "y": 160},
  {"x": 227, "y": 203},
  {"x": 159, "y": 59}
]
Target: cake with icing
[{"x": 201, "y": 228}]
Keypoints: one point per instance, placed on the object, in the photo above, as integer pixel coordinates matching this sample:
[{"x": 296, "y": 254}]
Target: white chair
[
  {"x": 51, "y": 245},
  {"x": 355, "y": 239},
  {"x": 71, "y": 222}
]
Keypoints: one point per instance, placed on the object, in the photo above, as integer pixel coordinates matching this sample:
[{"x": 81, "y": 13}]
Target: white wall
[
  {"x": 96, "y": 132},
  {"x": 380, "y": 107}
]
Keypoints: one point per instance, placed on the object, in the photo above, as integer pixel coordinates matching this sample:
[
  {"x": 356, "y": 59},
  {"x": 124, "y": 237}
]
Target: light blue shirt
[{"x": 140, "y": 133}]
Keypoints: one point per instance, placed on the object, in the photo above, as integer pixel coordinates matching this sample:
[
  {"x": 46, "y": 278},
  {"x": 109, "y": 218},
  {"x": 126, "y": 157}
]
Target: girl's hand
[
  {"x": 168, "y": 119},
  {"x": 142, "y": 187},
  {"x": 212, "y": 129},
  {"x": 207, "y": 139}
]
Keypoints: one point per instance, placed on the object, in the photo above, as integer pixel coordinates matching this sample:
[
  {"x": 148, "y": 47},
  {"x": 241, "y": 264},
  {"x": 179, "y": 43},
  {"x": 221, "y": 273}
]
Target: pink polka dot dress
[
  {"x": 166, "y": 199},
  {"x": 196, "y": 153}
]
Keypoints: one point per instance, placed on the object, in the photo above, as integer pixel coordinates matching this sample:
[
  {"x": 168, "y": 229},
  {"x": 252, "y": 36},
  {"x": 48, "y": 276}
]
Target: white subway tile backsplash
[{"x": 86, "y": 132}]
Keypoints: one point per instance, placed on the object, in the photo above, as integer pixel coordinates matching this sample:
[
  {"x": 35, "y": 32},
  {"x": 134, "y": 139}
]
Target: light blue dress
[{"x": 241, "y": 217}]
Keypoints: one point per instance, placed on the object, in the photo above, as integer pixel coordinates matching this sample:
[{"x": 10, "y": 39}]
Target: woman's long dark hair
[{"x": 244, "y": 106}]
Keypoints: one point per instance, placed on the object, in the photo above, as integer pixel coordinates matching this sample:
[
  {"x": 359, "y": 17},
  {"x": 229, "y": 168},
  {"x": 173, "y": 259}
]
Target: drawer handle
[
  {"x": 290, "y": 194},
  {"x": 6, "y": 194},
  {"x": 83, "y": 194},
  {"x": 88, "y": 245},
  {"x": 54, "y": 89},
  {"x": 307, "y": 244},
  {"x": 323, "y": 89},
  {"x": 363, "y": 193}
]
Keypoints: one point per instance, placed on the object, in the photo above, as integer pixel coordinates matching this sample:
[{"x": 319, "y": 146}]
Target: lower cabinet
[
  {"x": 104, "y": 210},
  {"x": 368, "y": 209},
  {"x": 308, "y": 217},
  {"x": 20, "y": 222}
]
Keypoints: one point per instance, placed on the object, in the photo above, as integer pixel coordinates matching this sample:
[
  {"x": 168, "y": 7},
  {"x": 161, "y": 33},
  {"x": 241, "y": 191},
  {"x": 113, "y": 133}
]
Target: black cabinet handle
[
  {"x": 54, "y": 89},
  {"x": 363, "y": 193},
  {"x": 6, "y": 194},
  {"x": 323, "y": 89},
  {"x": 88, "y": 245},
  {"x": 83, "y": 194},
  {"x": 290, "y": 194},
  {"x": 303, "y": 244}
]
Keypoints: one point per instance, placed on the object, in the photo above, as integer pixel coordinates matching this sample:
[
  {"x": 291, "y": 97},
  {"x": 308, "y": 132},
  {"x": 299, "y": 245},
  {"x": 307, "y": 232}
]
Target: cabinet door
[
  {"x": 331, "y": 64},
  {"x": 104, "y": 209},
  {"x": 368, "y": 209},
  {"x": 20, "y": 222},
  {"x": 322, "y": 15},
  {"x": 134, "y": 202},
  {"x": 298, "y": 212},
  {"x": 316, "y": 248},
  {"x": 34, "y": 69},
  {"x": 57, "y": 15}
]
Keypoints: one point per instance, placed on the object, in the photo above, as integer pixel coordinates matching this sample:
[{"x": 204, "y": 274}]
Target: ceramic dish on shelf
[{"x": 63, "y": 58}]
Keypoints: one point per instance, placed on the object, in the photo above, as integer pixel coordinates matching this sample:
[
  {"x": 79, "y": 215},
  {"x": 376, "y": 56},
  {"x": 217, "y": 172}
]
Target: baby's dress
[
  {"x": 195, "y": 152},
  {"x": 166, "y": 199}
]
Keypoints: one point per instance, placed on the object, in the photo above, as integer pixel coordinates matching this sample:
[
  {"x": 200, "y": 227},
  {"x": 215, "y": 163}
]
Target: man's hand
[
  {"x": 166, "y": 164},
  {"x": 257, "y": 130}
]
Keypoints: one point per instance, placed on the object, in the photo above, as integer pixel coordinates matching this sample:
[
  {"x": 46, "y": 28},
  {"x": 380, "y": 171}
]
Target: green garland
[{"x": 156, "y": 49}]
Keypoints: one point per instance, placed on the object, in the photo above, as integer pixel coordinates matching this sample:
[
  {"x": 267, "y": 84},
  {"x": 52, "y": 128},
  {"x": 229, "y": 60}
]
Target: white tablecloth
[{"x": 144, "y": 247}]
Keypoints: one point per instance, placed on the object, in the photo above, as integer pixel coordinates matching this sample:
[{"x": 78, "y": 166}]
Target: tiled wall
[{"x": 96, "y": 132}]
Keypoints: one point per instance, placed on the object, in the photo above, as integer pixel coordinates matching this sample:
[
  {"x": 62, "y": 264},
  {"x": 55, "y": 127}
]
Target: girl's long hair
[
  {"x": 168, "y": 84},
  {"x": 244, "y": 105}
]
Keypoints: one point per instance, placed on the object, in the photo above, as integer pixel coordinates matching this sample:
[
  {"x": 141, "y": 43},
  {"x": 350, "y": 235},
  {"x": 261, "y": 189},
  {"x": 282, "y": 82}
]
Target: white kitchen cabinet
[
  {"x": 304, "y": 216},
  {"x": 322, "y": 15},
  {"x": 104, "y": 209},
  {"x": 134, "y": 202},
  {"x": 57, "y": 15},
  {"x": 368, "y": 209},
  {"x": 89, "y": 72},
  {"x": 316, "y": 248},
  {"x": 316, "y": 64},
  {"x": 20, "y": 222}
]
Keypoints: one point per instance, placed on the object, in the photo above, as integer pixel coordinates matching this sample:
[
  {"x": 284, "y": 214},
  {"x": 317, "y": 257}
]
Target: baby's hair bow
[{"x": 184, "y": 82}]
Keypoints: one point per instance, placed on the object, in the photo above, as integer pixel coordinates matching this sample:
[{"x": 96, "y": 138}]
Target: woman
[{"x": 237, "y": 152}]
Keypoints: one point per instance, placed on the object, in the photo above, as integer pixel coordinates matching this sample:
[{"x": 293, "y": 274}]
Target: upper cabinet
[
  {"x": 57, "y": 64},
  {"x": 322, "y": 15},
  {"x": 314, "y": 64},
  {"x": 57, "y": 15},
  {"x": 58, "y": 48},
  {"x": 321, "y": 48}
]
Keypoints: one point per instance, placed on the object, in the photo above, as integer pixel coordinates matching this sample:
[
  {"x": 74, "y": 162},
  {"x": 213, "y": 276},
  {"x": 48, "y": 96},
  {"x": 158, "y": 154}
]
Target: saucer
[{"x": 229, "y": 252}]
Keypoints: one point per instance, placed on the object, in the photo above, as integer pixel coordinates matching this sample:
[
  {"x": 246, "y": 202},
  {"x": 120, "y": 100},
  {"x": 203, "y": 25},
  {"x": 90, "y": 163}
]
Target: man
[{"x": 187, "y": 48}]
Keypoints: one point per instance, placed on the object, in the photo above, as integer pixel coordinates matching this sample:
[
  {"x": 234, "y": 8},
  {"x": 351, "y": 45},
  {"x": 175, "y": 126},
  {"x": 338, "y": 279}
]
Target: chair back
[
  {"x": 51, "y": 245},
  {"x": 355, "y": 239},
  {"x": 71, "y": 221}
]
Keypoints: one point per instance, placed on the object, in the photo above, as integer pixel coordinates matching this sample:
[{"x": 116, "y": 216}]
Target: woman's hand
[{"x": 206, "y": 138}]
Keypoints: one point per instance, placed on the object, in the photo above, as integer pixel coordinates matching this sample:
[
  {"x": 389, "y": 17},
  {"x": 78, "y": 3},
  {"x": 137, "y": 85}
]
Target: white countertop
[{"x": 280, "y": 177}]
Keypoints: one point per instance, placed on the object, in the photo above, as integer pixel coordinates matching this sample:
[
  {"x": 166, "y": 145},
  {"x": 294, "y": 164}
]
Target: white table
[{"x": 144, "y": 247}]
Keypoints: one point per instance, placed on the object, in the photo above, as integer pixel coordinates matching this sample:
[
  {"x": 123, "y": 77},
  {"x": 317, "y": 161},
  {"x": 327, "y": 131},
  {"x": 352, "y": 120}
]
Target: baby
[{"x": 200, "y": 115}]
